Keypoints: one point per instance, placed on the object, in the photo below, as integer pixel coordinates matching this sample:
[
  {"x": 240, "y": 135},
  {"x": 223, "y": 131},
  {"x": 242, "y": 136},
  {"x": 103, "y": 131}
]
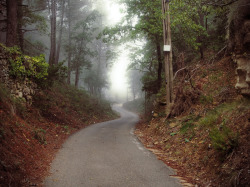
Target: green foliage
[
  {"x": 31, "y": 67},
  {"x": 210, "y": 119},
  {"x": 224, "y": 140},
  {"x": 38, "y": 67},
  {"x": 22, "y": 66},
  {"x": 173, "y": 133},
  {"x": 56, "y": 73},
  {"x": 187, "y": 127}
]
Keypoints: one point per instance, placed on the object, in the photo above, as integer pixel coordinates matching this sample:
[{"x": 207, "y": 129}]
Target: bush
[
  {"x": 210, "y": 119},
  {"x": 56, "y": 73},
  {"x": 224, "y": 140},
  {"x": 22, "y": 66}
]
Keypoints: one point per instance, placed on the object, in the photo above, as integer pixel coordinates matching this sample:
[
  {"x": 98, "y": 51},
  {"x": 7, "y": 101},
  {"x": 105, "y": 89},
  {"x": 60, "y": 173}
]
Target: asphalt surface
[{"x": 108, "y": 155}]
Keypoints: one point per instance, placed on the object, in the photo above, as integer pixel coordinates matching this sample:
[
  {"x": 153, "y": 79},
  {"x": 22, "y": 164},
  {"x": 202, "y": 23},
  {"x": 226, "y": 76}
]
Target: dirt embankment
[
  {"x": 30, "y": 136},
  {"x": 207, "y": 136}
]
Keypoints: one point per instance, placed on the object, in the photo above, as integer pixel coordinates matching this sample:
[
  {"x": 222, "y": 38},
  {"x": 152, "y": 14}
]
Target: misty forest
[{"x": 125, "y": 93}]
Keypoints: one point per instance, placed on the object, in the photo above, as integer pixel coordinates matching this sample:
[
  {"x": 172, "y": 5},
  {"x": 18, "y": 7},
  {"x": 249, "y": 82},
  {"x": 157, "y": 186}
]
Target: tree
[
  {"x": 12, "y": 22},
  {"x": 52, "y": 56},
  {"x": 82, "y": 37},
  {"x": 60, "y": 32}
]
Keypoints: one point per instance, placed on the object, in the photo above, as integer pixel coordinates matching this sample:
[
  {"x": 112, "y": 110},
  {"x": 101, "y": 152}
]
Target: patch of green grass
[
  {"x": 224, "y": 140},
  {"x": 215, "y": 77},
  {"x": 210, "y": 119},
  {"x": 188, "y": 123}
]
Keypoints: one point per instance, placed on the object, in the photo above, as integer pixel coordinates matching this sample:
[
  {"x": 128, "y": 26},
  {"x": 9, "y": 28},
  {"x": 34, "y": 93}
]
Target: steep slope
[
  {"x": 31, "y": 135},
  {"x": 207, "y": 136}
]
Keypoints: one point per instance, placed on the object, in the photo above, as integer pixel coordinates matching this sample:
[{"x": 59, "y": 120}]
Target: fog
[{"x": 77, "y": 31}]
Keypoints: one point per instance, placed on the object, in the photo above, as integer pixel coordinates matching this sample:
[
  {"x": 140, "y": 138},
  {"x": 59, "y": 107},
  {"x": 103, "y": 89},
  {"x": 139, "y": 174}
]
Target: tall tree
[
  {"x": 69, "y": 17},
  {"x": 60, "y": 32},
  {"x": 52, "y": 56},
  {"x": 12, "y": 23}
]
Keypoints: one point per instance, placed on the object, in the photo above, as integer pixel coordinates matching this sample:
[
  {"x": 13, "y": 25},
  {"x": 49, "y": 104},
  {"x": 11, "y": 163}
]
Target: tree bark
[
  {"x": 53, "y": 34},
  {"x": 77, "y": 76},
  {"x": 60, "y": 34},
  {"x": 200, "y": 37},
  {"x": 20, "y": 24},
  {"x": 12, "y": 21},
  {"x": 168, "y": 58},
  {"x": 158, "y": 48},
  {"x": 69, "y": 40}
]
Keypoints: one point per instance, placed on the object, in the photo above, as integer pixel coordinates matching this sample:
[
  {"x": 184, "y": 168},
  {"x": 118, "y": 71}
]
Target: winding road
[{"x": 108, "y": 155}]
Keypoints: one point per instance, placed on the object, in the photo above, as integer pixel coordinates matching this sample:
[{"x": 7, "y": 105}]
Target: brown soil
[
  {"x": 30, "y": 140},
  {"x": 184, "y": 142}
]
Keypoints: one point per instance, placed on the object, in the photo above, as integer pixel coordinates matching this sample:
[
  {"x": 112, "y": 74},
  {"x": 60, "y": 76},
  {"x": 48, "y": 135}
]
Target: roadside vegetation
[
  {"x": 31, "y": 135},
  {"x": 206, "y": 139},
  {"x": 32, "y": 132}
]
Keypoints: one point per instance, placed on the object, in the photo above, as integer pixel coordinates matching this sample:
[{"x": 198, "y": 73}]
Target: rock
[
  {"x": 243, "y": 78},
  {"x": 20, "y": 94},
  {"x": 172, "y": 125},
  {"x": 32, "y": 91},
  {"x": 155, "y": 115},
  {"x": 26, "y": 91}
]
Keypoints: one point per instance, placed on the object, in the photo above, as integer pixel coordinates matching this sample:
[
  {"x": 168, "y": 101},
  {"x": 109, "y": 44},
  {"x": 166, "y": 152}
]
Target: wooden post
[{"x": 167, "y": 56}]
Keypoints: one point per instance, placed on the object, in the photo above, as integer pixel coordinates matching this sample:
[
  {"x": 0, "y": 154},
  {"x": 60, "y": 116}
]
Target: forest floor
[
  {"x": 30, "y": 136},
  {"x": 206, "y": 139}
]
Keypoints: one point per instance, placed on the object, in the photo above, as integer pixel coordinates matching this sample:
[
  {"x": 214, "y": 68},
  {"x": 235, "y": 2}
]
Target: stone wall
[
  {"x": 23, "y": 89},
  {"x": 239, "y": 43}
]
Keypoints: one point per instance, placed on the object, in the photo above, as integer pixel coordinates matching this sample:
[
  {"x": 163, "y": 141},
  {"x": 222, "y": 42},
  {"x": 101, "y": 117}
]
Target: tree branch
[
  {"x": 37, "y": 48},
  {"x": 27, "y": 30},
  {"x": 178, "y": 72},
  {"x": 222, "y": 5}
]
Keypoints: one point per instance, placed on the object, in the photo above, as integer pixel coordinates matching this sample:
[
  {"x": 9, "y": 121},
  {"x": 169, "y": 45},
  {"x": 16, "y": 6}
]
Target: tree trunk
[
  {"x": 77, "y": 76},
  {"x": 20, "y": 24},
  {"x": 158, "y": 48},
  {"x": 53, "y": 33},
  {"x": 60, "y": 34},
  {"x": 200, "y": 37},
  {"x": 69, "y": 39},
  {"x": 168, "y": 58},
  {"x": 11, "y": 36}
]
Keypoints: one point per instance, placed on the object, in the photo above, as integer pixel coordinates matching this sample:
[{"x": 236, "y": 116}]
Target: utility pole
[{"x": 167, "y": 56}]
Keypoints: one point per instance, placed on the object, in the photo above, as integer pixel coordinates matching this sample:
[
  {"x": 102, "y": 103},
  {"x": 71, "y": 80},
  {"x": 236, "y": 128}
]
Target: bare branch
[
  {"x": 29, "y": 30},
  {"x": 178, "y": 72}
]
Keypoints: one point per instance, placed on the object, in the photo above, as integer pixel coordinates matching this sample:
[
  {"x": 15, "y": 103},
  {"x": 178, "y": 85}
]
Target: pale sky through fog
[{"x": 118, "y": 78}]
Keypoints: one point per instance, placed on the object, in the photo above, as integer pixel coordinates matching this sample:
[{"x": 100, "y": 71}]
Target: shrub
[
  {"x": 22, "y": 66},
  {"x": 210, "y": 119},
  {"x": 55, "y": 73},
  {"x": 224, "y": 140}
]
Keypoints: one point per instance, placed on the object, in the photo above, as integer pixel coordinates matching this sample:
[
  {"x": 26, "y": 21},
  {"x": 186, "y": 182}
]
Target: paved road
[{"x": 108, "y": 155}]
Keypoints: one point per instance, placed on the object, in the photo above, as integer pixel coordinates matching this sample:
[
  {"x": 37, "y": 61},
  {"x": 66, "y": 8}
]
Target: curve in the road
[{"x": 108, "y": 155}]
